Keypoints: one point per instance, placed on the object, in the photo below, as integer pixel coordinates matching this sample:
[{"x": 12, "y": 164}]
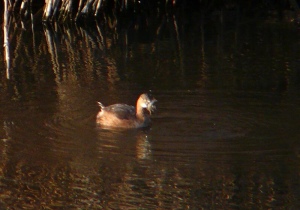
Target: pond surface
[{"x": 225, "y": 134}]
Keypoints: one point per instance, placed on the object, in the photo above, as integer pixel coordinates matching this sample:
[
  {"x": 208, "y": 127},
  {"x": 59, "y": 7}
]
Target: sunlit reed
[{"x": 6, "y": 27}]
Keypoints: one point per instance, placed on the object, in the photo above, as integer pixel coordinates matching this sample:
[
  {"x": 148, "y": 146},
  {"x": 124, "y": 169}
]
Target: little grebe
[{"x": 125, "y": 116}]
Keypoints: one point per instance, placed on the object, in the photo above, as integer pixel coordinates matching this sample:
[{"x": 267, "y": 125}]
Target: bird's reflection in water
[
  {"x": 132, "y": 143},
  {"x": 143, "y": 147}
]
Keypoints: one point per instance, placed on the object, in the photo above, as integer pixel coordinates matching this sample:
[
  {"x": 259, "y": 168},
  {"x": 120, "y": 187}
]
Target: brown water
[{"x": 225, "y": 134}]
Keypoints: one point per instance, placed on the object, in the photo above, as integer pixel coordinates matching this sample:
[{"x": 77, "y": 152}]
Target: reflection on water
[
  {"x": 222, "y": 157},
  {"x": 225, "y": 134}
]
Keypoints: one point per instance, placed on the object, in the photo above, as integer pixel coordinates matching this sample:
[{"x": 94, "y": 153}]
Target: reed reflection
[{"x": 5, "y": 134}]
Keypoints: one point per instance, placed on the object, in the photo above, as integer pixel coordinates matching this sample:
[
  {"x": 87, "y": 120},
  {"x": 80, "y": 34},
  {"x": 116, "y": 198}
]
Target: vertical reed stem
[
  {"x": 98, "y": 7},
  {"x": 6, "y": 38},
  {"x": 48, "y": 10}
]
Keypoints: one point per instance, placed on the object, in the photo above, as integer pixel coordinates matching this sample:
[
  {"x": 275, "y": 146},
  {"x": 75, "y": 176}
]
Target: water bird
[{"x": 126, "y": 116}]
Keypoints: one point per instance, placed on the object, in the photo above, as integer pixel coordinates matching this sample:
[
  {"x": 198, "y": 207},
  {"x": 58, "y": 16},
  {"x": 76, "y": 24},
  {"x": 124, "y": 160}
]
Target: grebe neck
[{"x": 140, "y": 112}]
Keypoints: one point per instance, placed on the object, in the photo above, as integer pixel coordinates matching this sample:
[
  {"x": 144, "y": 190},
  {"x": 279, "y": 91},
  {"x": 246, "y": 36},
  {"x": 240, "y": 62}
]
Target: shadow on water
[{"x": 225, "y": 134}]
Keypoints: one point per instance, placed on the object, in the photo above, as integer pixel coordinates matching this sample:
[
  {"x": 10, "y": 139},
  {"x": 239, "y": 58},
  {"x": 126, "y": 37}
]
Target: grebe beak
[{"x": 151, "y": 106}]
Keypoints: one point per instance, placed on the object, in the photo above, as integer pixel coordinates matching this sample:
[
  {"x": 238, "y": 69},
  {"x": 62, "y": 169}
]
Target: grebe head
[{"x": 146, "y": 102}]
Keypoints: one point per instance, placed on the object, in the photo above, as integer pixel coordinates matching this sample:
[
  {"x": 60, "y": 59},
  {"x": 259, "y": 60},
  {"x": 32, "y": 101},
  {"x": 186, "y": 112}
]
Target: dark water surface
[{"x": 225, "y": 134}]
